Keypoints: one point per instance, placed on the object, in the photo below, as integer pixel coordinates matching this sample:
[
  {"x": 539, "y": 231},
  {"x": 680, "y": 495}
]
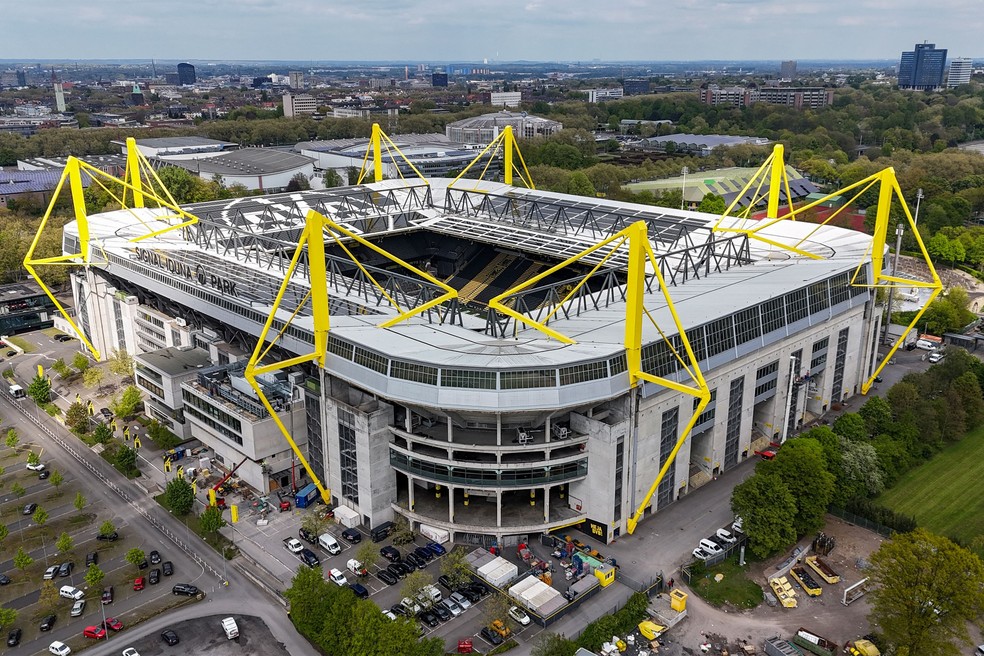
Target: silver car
[
  {"x": 78, "y": 608},
  {"x": 461, "y": 600},
  {"x": 452, "y": 607}
]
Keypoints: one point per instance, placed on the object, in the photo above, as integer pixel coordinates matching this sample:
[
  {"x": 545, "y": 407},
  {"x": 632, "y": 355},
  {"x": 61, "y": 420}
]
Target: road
[{"x": 240, "y": 596}]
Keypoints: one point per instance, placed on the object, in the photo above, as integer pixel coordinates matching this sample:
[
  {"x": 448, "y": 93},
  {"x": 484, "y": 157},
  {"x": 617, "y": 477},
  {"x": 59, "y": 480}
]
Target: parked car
[
  {"x": 130, "y": 651},
  {"x": 390, "y": 553},
  {"x": 736, "y": 526},
  {"x": 491, "y": 636},
  {"x": 398, "y": 610},
  {"x": 50, "y": 573},
  {"x": 452, "y": 607},
  {"x": 700, "y": 554},
  {"x": 14, "y": 637},
  {"x": 65, "y": 569},
  {"x": 359, "y": 590},
  {"x": 445, "y": 583},
  {"x": 468, "y": 593},
  {"x": 414, "y": 560},
  {"x": 167, "y": 568},
  {"x": 710, "y": 547},
  {"x": 386, "y": 577},
  {"x": 442, "y": 612},
  {"x": 519, "y": 615},
  {"x": 307, "y": 535},
  {"x": 397, "y": 570},
  {"x": 47, "y": 623},
  {"x": 154, "y": 577},
  {"x": 29, "y": 509},
  {"x": 352, "y": 535},
  {"x": 309, "y": 558},
  {"x": 424, "y": 554},
  {"x": 59, "y": 648},
  {"x": 480, "y": 587},
  {"x": 436, "y": 548},
  {"x": 108, "y": 537},
  {"x": 70, "y": 592},
  {"x": 170, "y": 637},
  {"x": 185, "y": 589},
  {"x": 95, "y": 632},
  {"x": 337, "y": 577},
  {"x": 35, "y": 467},
  {"x": 112, "y": 623},
  {"x": 43, "y": 474},
  {"x": 91, "y": 558},
  {"x": 138, "y": 583},
  {"x": 4, "y": 579},
  {"x": 461, "y": 599},
  {"x": 78, "y": 608},
  {"x": 107, "y": 595},
  {"x": 155, "y": 557},
  {"x": 726, "y": 535},
  {"x": 428, "y": 618}
]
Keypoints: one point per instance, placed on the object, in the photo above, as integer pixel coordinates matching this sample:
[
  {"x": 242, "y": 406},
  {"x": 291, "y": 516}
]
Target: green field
[{"x": 946, "y": 494}]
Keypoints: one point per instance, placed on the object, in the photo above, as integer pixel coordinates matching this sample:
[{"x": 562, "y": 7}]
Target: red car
[
  {"x": 112, "y": 623},
  {"x": 770, "y": 452},
  {"x": 138, "y": 583},
  {"x": 94, "y": 632}
]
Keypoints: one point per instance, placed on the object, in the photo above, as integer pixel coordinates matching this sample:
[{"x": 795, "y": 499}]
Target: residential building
[
  {"x": 798, "y": 97},
  {"x": 961, "y": 68},
  {"x": 299, "y": 104}
]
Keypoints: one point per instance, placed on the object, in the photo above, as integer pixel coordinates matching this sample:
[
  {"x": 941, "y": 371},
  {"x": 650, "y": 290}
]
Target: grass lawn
[
  {"x": 735, "y": 588},
  {"x": 22, "y": 344},
  {"x": 945, "y": 495}
]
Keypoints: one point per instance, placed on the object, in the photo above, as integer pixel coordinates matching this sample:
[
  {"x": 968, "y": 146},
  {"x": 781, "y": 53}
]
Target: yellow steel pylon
[
  {"x": 143, "y": 184},
  {"x": 506, "y": 141},
  {"x": 636, "y": 238},
  {"x": 313, "y": 238},
  {"x": 377, "y": 142}
]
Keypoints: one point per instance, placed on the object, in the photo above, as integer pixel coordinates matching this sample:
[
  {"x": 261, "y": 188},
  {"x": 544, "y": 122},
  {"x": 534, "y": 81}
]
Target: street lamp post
[
  {"x": 789, "y": 398},
  {"x": 895, "y": 270},
  {"x": 919, "y": 197},
  {"x": 683, "y": 192}
]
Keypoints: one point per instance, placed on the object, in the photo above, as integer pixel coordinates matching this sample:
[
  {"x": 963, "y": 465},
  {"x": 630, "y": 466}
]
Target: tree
[
  {"x": 33, "y": 458},
  {"x": 767, "y": 509},
  {"x": 102, "y": 434},
  {"x": 106, "y": 528},
  {"x": 162, "y": 437},
  {"x": 56, "y": 479},
  {"x": 496, "y": 607},
  {"x": 309, "y": 596},
  {"x": 77, "y": 417},
  {"x": 12, "y": 440},
  {"x": 62, "y": 369},
  {"x": 48, "y": 597},
  {"x": 298, "y": 183},
  {"x": 92, "y": 377},
  {"x": 4, "y": 532},
  {"x": 454, "y": 566},
  {"x": 126, "y": 459},
  {"x": 94, "y": 576},
  {"x": 135, "y": 557},
  {"x": 40, "y": 390},
  {"x": 81, "y": 362},
  {"x": 851, "y": 426},
  {"x": 331, "y": 179},
  {"x": 368, "y": 555},
  {"x": 414, "y": 583},
  {"x": 121, "y": 363},
  {"x": 8, "y": 616},
  {"x": 579, "y": 185},
  {"x": 22, "y": 560},
  {"x": 179, "y": 496},
  {"x": 926, "y": 590},
  {"x": 64, "y": 543},
  {"x": 211, "y": 519},
  {"x": 315, "y": 522},
  {"x": 40, "y": 516},
  {"x": 801, "y": 465},
  {"x": 126, "y": 406},
  {"x": 18, "y": 489},
  {"x": 552, "y": 644},
  {"x": 80, "y": 502},
  {"x": 711, "y": 203}
]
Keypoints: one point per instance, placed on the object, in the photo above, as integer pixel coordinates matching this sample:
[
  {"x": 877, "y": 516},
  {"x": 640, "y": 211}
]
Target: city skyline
[{"x": 507, "y": 30}]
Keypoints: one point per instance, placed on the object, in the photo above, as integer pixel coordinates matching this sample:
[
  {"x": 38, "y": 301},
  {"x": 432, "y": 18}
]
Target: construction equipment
[
  {"x": 227, "y": 476},
  {"x": 861, "y": 647},
  {"x": 825, "y": 571},
  {"x": 810, "y": 586},
  {"x": 814, "y": 643}
]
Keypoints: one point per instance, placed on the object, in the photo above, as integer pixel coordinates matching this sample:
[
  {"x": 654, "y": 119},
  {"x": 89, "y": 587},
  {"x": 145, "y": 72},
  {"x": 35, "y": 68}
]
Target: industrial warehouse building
[{"x": 461, "y": 418}]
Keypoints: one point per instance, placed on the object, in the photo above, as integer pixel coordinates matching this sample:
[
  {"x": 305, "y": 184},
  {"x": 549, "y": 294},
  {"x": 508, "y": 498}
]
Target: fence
[
  {"x": 863, "y": 522},
  {"x": 150, "y": 517}
]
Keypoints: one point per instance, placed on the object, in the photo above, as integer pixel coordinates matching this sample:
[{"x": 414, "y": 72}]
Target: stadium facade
[{"x": 461, "y": 418}]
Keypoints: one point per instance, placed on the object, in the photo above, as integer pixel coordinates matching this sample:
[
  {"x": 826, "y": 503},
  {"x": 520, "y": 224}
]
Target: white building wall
[{"x": 258, "y": 182}]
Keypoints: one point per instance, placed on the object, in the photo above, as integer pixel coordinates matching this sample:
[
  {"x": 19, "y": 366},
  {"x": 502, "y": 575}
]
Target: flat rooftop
[
  {"x": 174, "y": 361},
  {"x": 248, "y": 161}
]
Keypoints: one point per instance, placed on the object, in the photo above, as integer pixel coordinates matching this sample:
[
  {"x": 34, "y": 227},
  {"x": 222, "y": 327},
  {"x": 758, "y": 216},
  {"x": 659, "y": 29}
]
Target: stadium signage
[{"x": 197, "y": 274}]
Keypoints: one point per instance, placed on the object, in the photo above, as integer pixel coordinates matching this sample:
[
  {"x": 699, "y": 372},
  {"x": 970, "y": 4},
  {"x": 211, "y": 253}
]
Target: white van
[
  {"x": 69, "y": 592},
  {"x": 230, "y": 627},
  {"x": 710, "y": 547},
  {"x": 16, "y": 391},
  {"x": 926, "y": 344},
  {"x": 329, "y": 544}
]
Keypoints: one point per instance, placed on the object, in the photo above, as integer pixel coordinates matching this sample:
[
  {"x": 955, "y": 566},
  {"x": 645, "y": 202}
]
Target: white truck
[{"x": 230, "y": 627}]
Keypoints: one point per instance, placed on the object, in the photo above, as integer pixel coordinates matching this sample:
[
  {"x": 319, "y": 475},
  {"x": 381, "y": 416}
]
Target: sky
[{"x": 497, "y": 30}]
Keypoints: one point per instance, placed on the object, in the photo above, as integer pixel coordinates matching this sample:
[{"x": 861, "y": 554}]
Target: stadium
[{"x": 486, "y": 372}]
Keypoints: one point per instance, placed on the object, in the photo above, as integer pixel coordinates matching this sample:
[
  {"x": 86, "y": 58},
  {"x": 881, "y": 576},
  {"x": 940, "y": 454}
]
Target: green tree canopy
[
  {"x": 211, "y": 519},
  {"x": 135, "y": 556},
  {"x": 40, "y": 390},
  {"x": 94, "y": 577},
  {"x": 801, "y": 465},
  {"x": 22, "y": 560},
  {"x": 64, "y": 542},
  {"x": 768, "y": 510},
  {"x": 126, "y": 406},
  {"x": 179, "y": 496},
  {"x": 711, "y": 203}
]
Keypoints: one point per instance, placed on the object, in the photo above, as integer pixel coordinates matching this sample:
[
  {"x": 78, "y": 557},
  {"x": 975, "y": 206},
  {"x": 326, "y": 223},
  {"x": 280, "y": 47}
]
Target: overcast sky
[{"x": 473, "y": 30}]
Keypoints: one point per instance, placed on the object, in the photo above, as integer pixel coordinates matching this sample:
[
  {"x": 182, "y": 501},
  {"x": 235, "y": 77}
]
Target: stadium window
[
  {"x": 797, "y": 305},
  {"x": 528, "y": 379},
  {"x": 370, "y": 360},
  {"x": 582, "y": 373},
  {"x": 417, "y": 373},
  {"x": 819, "y": 297},
  {"x": 468, "y": 379},
  {"x": 748, "y": 325},
  {"x": 339, "y": 348},
  {"x": 720, "y": 336},
  {"x": 773, "y": 315}
]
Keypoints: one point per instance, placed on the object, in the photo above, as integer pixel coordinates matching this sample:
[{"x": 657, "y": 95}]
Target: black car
[
  {"x": 398, "y": 610},
  {"x": 143, "y": 564},
  {"x": 91, "y": 558},
  {"x": 107, "y": 595},
  {"x": 391, "y": 554},
  {"x": 386, "y": 577},
  {"x": 414, "y": 561},
  {"x": 13, "y": 638},
  {"x": 4, "y": 579},
  {"x": 66, "y": 568},
  {"x": 168, "y": 568},
  {"x": 43, "y": 474},
  {"x": 359, "y": 590},
  {"x": 155, "y": 557},
  {"x": 352, "y": 535},
  {"x": 307, "y": 535},
  {"x": 155, "y": 576},
  {"x": 47, "y": 623},
  {"x": 170, "y": 637},
  {"x": 109, "y": 537},
  {"x": 442, "y": 613},
  {"x": 309, "y": 558},
  {"x": 428, "y": 618},
  {"x": 397, "y": 570},
  {"x": 480, "y": 587},
  {"x": 445, "y": 583},
  {"x": 30, "y": 508},
  {"x": 491, "y": 636},
  {"x": 469, "y": 594},
  {"x": 185, "y": 589},
  {"x": 423, "y": 553}
]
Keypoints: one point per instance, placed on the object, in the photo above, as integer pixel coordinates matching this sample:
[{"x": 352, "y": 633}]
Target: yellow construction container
[{"x": 678, "y": 601}]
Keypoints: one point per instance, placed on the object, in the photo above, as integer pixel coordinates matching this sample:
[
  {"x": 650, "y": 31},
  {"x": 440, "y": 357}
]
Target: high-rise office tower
[
  {"x": 922, "y": 68},
  {"x": 186, "y": 74},
  {"x": 787, "y": 70}
]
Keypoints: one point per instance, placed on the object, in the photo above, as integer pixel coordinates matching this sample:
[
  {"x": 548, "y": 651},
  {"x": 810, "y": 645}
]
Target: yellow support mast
[
  {"x": 636, "y": 238},
  {"x": 506, "y": 141},
  {"x": 377, "y": 141}
]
